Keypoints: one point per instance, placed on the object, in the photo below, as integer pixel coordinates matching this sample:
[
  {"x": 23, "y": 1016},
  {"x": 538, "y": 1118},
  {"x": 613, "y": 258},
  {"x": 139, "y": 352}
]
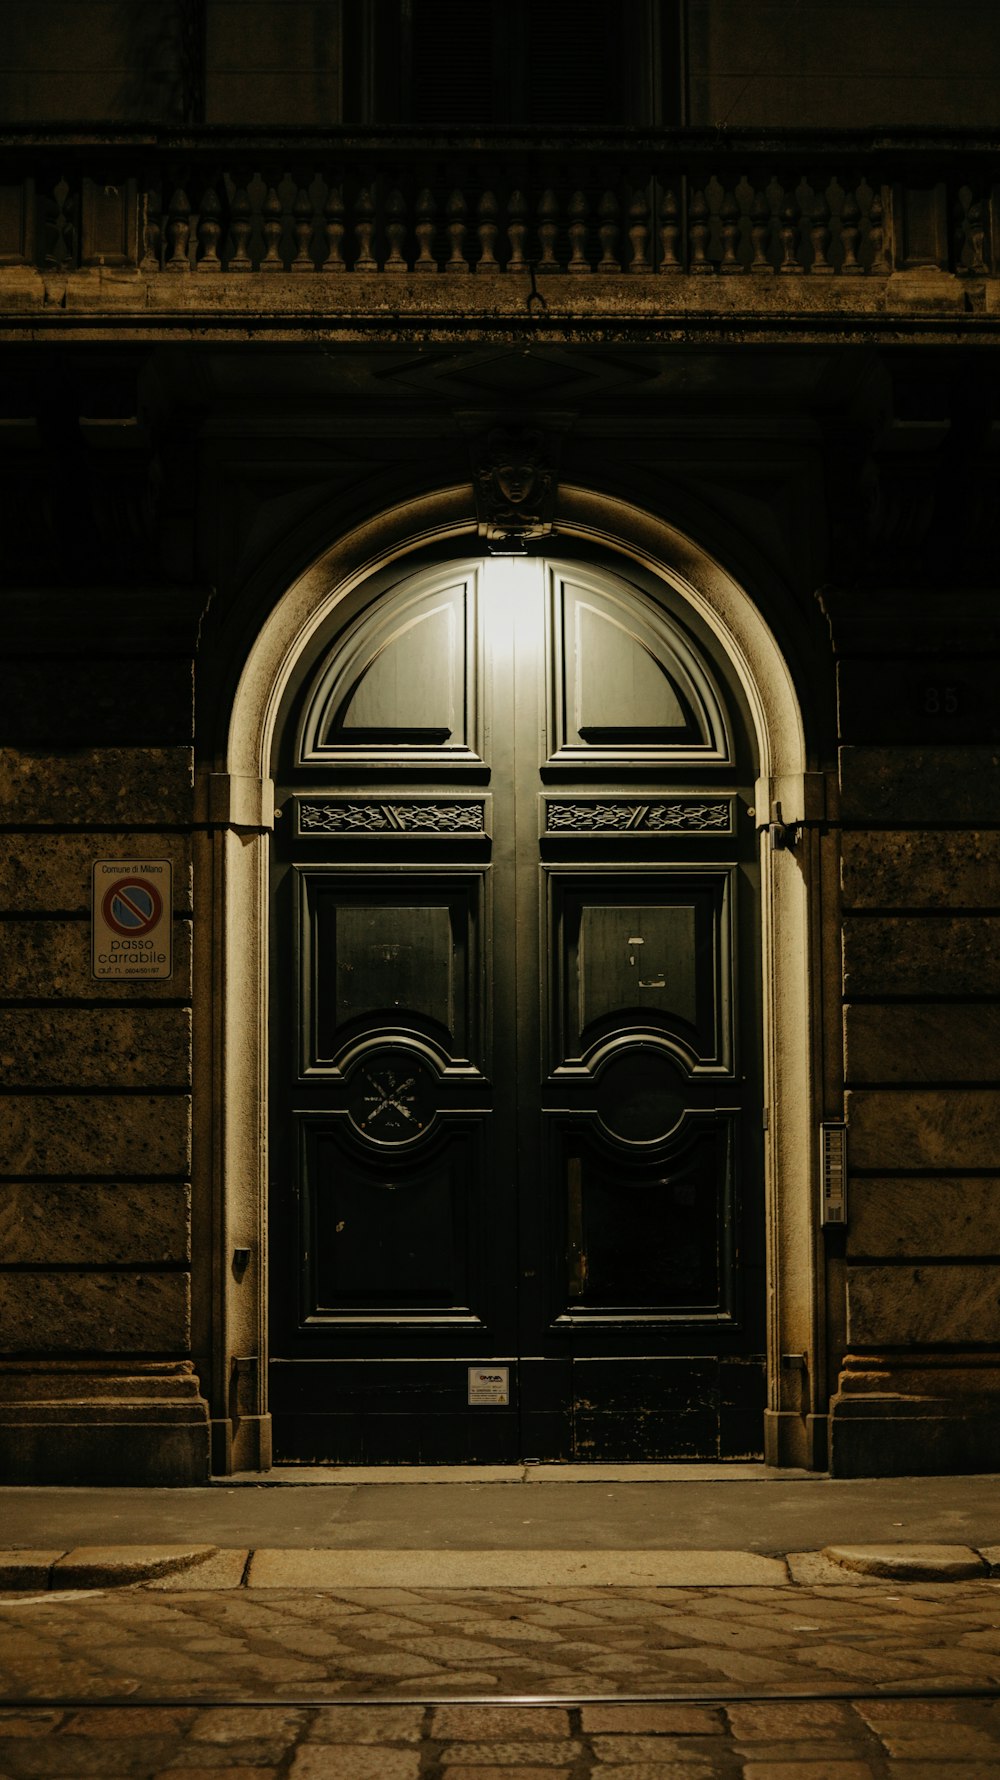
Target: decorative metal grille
[
  {"x": 347, "y": 816},
  {"x": 634, "y": 817}
]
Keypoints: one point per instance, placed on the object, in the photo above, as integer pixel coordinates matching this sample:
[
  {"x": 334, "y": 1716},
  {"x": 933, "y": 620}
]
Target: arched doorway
[
  {"x": 233, "y": 903},
  {"x": 517, "y": 1178}
]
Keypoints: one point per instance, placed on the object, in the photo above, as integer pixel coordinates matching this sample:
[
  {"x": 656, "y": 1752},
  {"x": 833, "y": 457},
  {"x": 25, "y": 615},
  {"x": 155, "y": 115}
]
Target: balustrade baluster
[
  {"x": 456, "y": 210},
  {"x": 333, "y": 228},
  {"x": 548, "y": 230},
  {"x": 576, "y": 211},
  {"x": 152, "y": 231},
  {"x": 879, "y": 267},
  {"x": 819, "y": 236},
  {"x": 179, "y": 232},
  {"x": 730, "y": 214},
  {"x": 488, "y": 230},
  {"x": 239, "y": 229},
  {"x": 760, "y": 234},
  {"x": 395, "y": 231},
  {"x": 607, "y": 232},
  {"x": 517, "y": 231},
  {"x": 424, "y": 231},
  {"x": 61, "y": 225},
  {"x": 699, "y": 229},
  {"x": 975, "y": 234},
  {"x": 850, "y": 233},
  {"x": 670, "y": 231},
  {"x": 364, "y": 230},
  {"x": 638, "y": 231},
  {"x": 788, "y": 232},
  {"x": 302, "y": 211},
  {"x": 273, "y": 224},
  {"x": 209, "y": 230}
]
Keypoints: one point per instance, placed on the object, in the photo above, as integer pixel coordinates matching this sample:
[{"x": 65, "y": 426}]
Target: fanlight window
[{"x": 404, "y": 681}]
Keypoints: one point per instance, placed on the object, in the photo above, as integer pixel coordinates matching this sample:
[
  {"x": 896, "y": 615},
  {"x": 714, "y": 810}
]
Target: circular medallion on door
[
  {"x": 390, "y": 1099},
  {"x": 640, "y": 1096}
]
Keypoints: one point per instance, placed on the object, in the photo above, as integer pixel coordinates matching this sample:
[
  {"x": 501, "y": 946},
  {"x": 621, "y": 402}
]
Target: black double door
[{"x": 516, "y": 1182}]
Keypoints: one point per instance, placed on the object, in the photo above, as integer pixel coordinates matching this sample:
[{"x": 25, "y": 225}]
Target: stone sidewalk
[{"x": 594, "y": 1507}]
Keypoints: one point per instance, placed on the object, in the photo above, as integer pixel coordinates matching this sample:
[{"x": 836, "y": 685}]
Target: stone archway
[{"x": 233, "y": 901}]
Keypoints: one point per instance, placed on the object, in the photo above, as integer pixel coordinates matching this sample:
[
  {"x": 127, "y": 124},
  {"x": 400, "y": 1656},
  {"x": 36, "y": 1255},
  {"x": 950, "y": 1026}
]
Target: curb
[
  {"x": 941, "y": 1563},
  {"x": 210, "y": 1566},
  {"x": 98, "y": 1566}
]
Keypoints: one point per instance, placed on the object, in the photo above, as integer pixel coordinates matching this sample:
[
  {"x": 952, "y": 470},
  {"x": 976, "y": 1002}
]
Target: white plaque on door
[{"x": 489, "y": 1384}]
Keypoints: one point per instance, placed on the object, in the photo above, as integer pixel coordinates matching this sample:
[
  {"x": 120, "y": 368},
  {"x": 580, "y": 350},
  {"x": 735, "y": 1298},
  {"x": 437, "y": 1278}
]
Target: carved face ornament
[{"x": 516, "y": 480}]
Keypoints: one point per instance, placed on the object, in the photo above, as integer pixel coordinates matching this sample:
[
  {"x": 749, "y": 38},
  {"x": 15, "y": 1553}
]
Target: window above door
[{"x": 511, "y": 64}]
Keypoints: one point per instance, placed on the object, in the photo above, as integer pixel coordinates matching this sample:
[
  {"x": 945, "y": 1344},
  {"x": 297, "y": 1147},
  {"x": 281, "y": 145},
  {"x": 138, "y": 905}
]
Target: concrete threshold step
[
  {"x": 201, "y": 1567},
  {"x": 680, "y": 1472}
]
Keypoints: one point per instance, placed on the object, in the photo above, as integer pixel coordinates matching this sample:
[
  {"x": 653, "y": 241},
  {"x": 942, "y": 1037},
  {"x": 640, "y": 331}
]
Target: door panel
[
  {"x": 406, "y": 680},
  {"x": 640, "y": 954},
  {"x": 391, "y": 1239},
  {"x": 622, "y": 683},
  {"x": 647, "y": 1236},
  {"x": 516, "y": 1068},
  {"x": 393, "y": 954}
]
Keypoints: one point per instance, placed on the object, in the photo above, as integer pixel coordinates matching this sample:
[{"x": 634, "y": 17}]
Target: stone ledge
[
  {"x": 899, "y": 1413},
  {"x": 464, "y": 307},
  {"x": 80, "y": 1422}
]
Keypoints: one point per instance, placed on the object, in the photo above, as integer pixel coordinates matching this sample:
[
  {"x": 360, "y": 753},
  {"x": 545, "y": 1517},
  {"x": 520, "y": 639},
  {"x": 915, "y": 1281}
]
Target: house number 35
[{"x": 940, "y": 701}]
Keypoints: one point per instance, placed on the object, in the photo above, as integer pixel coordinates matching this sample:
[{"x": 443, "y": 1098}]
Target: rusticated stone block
[
  {"x": 144, "y": 1135},
  {"x": 920, "y": 1041},
  {"x": 931, "y": 699},
  {"x": 147, "y": 701},
  {"x": 897, "y": 1306},
  {"x": 50, "y": 960},
  {"x": 59, "y": 1313},
  {"x": 922, "y": 955},
  {"x": 148, "y": 623},
  {"x": 922, "y": 1215},
  {"x": 115, "y": 1047},
  {"x": 930, "y": 870},
  {"x": 920, "y": 784},
  {"x": 943, "y": 624},
  {"x": 941, "y": 1128},
  {"x": 41, "y": 873},
  {"x": 46, "y": 1223},
  {"x": 105, "y": 785}
]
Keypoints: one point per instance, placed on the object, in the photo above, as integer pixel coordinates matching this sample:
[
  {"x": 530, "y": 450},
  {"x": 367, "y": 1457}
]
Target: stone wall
[
  {"x": 920, "y": 778},
  {"x": 842, "y": 63},
  {"x": 95, "y": 1199}
]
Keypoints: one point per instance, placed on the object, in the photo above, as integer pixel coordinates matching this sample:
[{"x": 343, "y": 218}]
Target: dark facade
[{"x": 506, "y": 511}]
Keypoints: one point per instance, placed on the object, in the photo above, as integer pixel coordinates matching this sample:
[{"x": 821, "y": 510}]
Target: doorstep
[{"x": 524, "y": 1473}]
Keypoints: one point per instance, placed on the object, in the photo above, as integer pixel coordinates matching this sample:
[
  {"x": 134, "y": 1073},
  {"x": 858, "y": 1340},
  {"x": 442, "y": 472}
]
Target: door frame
[{"x": 235, "y": 803}]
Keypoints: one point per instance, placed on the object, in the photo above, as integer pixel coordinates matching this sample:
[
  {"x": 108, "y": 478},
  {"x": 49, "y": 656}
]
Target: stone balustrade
[{"x": 823, "y": 212}]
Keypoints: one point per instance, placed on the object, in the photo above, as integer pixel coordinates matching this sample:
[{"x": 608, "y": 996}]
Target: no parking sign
[{"x": 131, "y": 925}]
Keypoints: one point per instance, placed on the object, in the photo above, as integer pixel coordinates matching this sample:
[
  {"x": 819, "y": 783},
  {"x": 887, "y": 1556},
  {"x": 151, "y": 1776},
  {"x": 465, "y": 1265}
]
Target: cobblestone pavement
[
  {"x": 276, "y": 1662},
  {"x": 814, "y": 1740}
]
